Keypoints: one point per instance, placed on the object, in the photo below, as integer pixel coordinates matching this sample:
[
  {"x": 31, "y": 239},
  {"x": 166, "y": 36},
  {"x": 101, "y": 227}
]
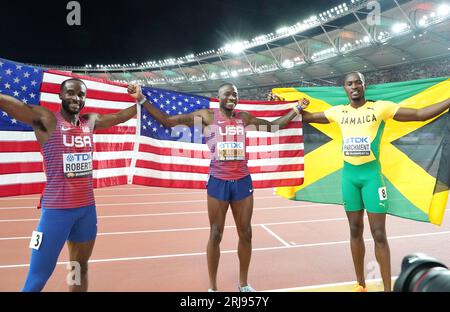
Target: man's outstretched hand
[{"x": 134, "y": 90}]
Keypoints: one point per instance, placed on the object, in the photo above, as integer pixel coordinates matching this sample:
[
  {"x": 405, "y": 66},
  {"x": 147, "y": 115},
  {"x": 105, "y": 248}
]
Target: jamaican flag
[{"x": 415, "y": 156}]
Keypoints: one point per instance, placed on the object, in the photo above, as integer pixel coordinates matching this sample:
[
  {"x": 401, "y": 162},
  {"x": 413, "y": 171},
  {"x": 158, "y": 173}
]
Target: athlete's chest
[
  {"x": 362, "y": 117},
  {"x": 230, "y": 127}
]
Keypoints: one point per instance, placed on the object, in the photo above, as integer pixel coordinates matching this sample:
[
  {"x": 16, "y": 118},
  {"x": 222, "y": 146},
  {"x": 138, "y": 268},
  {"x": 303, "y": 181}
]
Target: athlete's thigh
[
  {"x": 82, "y": 237},
  {"x": 375, "y": 194},
  {"x": 377, "y": 222},
  {"x": 80, "y": 251},
  {"x": 242, "y": 211},
  {"x": 217, "y": 211},
  {"x": 51, "y": 234},
  {"x": 351, "y": 194}
]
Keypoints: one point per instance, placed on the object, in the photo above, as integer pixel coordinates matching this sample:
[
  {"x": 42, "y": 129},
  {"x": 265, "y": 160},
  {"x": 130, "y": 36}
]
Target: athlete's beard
[
  {"x": 66, "y": 104},
  {"x": 229, "y": 106}
]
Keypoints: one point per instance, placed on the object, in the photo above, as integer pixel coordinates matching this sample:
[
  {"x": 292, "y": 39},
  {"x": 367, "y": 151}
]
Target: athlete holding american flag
[
  {"x": 68, "y": 205},
  {"x": 229, "y": 182}
]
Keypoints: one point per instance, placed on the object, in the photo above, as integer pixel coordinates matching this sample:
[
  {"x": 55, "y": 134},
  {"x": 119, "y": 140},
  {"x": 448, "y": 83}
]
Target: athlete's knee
[
  {"x": 356, "y": 230},
  {"x": 245, "y": 233},
  {"x": 84, "y": 267},
  {"x": 215, "y": 235},
  {"x": 379, "y": 236}
]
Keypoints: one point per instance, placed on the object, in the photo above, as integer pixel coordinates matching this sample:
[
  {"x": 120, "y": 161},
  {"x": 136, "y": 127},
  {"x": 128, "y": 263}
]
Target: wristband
[
  {"x": 297, "y": 109},
  {"x": 141, "y": 102}
]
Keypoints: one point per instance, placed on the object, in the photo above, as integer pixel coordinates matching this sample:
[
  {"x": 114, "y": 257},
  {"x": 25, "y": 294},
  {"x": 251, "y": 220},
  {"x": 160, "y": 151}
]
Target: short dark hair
[
  {"x": 226, "y": 84},
  {"x": 353, "y": 73},
  {"x": 63, "y": 84}
]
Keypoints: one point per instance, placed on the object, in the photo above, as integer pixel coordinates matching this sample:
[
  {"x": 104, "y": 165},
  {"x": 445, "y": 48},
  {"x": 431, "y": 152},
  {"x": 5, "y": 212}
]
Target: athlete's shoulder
[
  {"x": 243, "y": 114},
  {"x": 383, "y": 103},
  {"x": 337, "y": 108},
  {"x": 89, "y": 118}
]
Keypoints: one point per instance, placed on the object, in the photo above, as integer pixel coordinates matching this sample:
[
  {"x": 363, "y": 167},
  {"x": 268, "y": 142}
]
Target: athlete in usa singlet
[
  {"x": 68, "y": 165},
  {"x": 227, "y": 146}
]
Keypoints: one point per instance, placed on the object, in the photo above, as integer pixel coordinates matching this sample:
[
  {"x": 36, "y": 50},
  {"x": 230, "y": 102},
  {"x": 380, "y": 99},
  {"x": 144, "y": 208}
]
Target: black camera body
[{"x": 421, "y": 273}]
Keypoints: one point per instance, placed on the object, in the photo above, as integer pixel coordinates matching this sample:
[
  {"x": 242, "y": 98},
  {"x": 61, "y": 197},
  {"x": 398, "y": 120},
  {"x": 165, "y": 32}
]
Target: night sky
[{"x": 138, "y": 31}]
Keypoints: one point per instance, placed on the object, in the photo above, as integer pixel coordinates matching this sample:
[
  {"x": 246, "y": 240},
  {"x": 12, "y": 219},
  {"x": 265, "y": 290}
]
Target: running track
[{"x": 154, "y": 239}]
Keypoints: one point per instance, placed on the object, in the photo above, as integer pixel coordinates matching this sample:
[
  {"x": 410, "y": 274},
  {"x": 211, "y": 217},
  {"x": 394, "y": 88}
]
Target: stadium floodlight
[
  {"x": 399, "y": 27},
  {"x": 443, "y": 9},
  {"x": 260, "y": 39},
  {"x": 283, "y": 30},
  {"x": 235, "y": 47},
  {"x": 287, "y": 64}
]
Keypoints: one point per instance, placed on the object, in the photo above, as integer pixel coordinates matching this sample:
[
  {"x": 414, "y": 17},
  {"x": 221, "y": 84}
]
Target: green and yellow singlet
[
  {"x": 361, "y": 129},
  {"x": 362, "y": 181}
]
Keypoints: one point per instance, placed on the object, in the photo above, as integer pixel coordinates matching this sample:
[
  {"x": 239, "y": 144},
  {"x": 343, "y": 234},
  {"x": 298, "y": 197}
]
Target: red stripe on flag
[
  {"x": 266, "y": 114},
  {"x": 21, "y": 146},
  {"x": 166, "y": 151},
  {"x": 33, "y": 146},
  {"x": 117, "y": 130},
  {"x": 54, "y": 107},
  {"x": 171, "y": 167},
  {"x": 276, "y": 168},
  {"x": 277, "y": 140},
  {"x": 93, "y": 94},
  {"x": 113, "y": 147},
  {"x": 111, "y": 163},
  {"x": 22, "y": 189},
  {"x": 267, "y": 103},
  {"x": 139, "y": 180},
  {"x": 21, "y": 167},
  {"x": 281, "y": 182},
  {"x": 72, "y": 75},
  {"x": 110, "y": 181}
]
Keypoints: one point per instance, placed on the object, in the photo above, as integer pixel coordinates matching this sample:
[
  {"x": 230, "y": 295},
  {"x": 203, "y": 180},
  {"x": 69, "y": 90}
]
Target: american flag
[
  {"x": 139, "y": 151},
  {"x": 21, "y": 170},
  {"x": 177, "y": 158}
]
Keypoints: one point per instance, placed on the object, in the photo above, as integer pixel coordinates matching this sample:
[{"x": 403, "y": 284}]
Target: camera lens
[{"x": 421, "y": 273}]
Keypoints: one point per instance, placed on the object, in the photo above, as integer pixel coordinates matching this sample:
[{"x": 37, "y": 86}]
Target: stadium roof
[{"x": 349, "y": 36}]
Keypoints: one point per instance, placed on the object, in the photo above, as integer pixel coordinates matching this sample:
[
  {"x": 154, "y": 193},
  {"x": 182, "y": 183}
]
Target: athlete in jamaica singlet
[{"x": 362, "y": 123}]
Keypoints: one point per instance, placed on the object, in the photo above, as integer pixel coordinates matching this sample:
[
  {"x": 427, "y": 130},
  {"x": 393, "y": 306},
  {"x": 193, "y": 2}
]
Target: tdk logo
[
  {"x": 231, "y": 145},
  {"x": 78, "y": 157},
  {"x": 232, "y": 130},
  {"x": 77, "y": 141},
  {"x": 363, "y": 140}
]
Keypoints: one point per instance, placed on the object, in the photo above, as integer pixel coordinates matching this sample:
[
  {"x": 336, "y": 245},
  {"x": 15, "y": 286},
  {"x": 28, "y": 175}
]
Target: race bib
[
  {"x": 77, "y": 165},
  {"x": 382, "y": 193},
  {"x": 356, "y": 146},
  {"x": 36, "y": 240},
  {"x": 227, "y": 151}
]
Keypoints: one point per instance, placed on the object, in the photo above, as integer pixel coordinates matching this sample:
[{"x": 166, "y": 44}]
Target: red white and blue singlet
[
  {"x": 68, "y": 165},
  {"x": 227, "y": 145}
]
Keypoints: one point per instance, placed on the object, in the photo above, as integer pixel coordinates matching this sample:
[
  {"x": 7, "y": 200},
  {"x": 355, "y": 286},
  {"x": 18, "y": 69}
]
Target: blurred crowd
[{"x": 424, "y": 69}]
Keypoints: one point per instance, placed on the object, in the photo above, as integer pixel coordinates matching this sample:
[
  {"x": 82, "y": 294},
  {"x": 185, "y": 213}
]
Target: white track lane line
[
  {"x": 108, "y": 196},
  {"x": 233, "y": 251},
  {"x": 169, "y": 213},
  {"x": 278, "y": 238},
  {"x": 193, "y": 228},
  {"x": 140, "y": 203}
]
